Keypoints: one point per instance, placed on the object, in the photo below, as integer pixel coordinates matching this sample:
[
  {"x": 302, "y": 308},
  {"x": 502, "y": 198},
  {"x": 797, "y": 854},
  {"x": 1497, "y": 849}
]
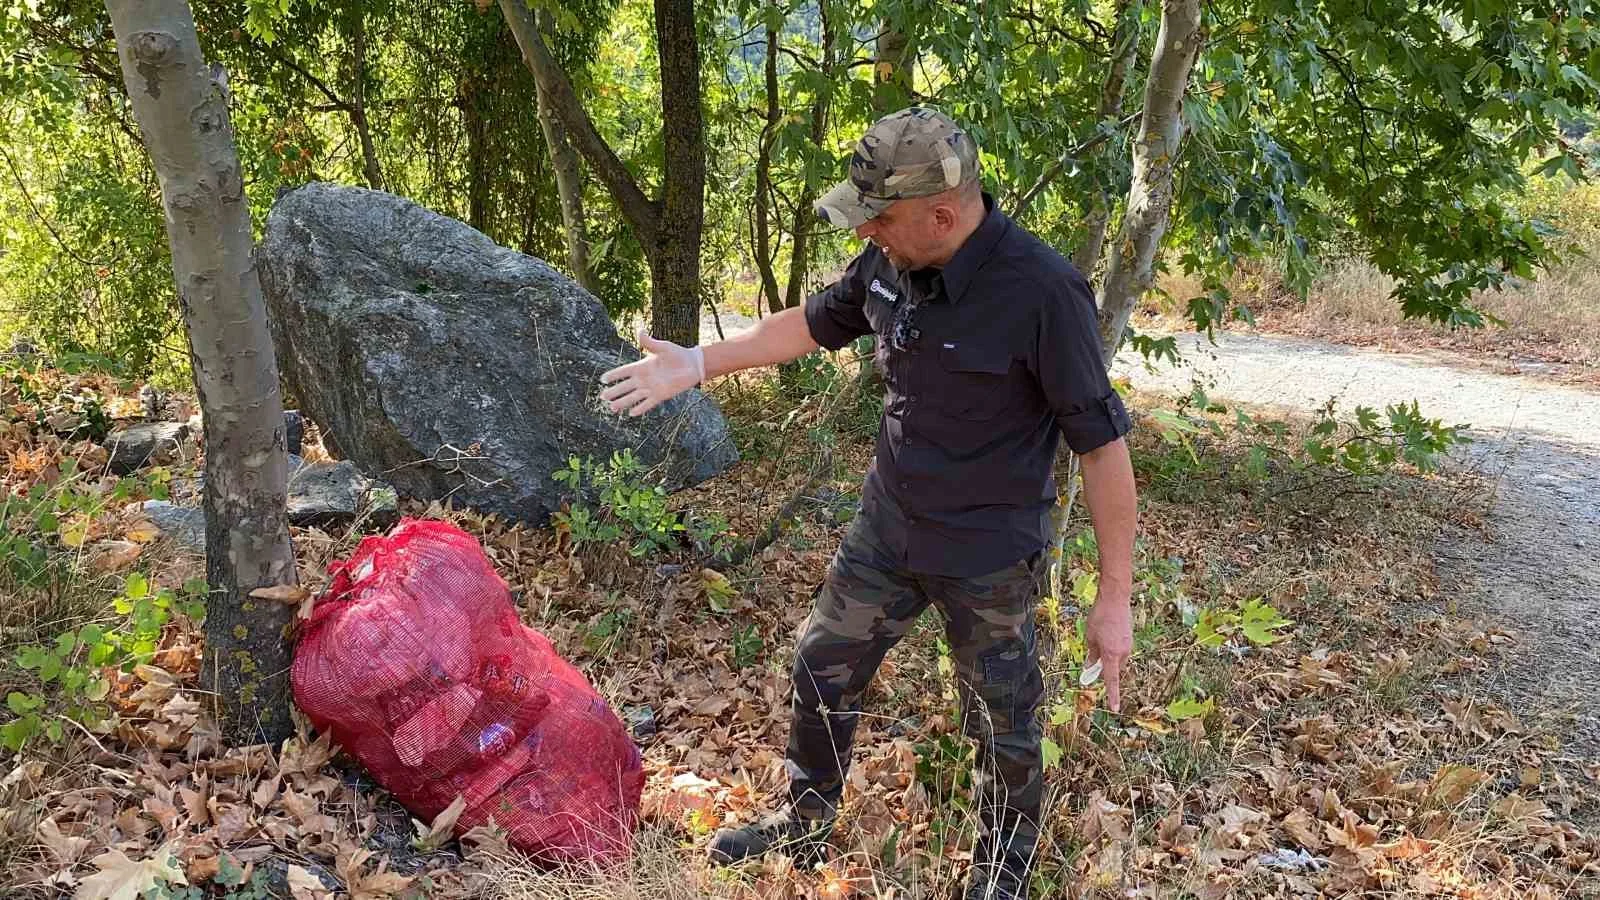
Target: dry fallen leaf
[
  {"x": 432, "y": 837},
  {"x": 487, "y": 839},
  {"x": 305, "y": 886},
  {"x": 142, "y": 531},
  {"x": 113, "y": 556},
  {"x": 711, "y": 705},
  {"x": 290, "y": 594},
  {"x": 300, "y": 758},
  {"x": 379, "y": 885},
  {"x": 1304, "y": 829},
  {"x": 65, "y": 848},
  {"x": 203, "y": 868},
  {"x": 1453, "y": 783},
  {"x": 29, "y": 771},
  {"x": 121, "y": 878}
]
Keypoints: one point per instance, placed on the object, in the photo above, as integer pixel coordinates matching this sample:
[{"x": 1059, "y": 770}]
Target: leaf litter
[{"x": 1339, "y": 758}]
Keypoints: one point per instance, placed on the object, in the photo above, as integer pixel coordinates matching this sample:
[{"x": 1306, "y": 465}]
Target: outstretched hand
[{"x": 666, "y": 371}]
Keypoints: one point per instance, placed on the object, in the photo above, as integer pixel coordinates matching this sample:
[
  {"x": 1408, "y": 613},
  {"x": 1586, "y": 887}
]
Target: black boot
[{"x": 787, "y": 832}]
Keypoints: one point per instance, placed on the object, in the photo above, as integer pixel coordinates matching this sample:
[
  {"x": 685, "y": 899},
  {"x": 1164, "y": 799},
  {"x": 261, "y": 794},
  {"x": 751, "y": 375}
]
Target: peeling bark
[
  {"x": 1155, "y": 153},
  {"x": 181, "y": 105}
]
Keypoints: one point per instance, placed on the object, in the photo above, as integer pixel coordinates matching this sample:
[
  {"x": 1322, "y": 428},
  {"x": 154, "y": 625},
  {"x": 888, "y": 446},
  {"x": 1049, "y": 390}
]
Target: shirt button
[{"x": 905, "y": 485}]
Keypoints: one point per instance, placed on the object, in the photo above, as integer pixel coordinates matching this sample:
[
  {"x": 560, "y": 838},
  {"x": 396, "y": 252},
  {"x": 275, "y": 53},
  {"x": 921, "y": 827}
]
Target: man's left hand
[{"x": 1108, "y": 638}]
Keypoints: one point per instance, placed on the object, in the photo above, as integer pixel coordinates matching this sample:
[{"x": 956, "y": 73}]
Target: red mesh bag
[{"x": 416, "y": 661}]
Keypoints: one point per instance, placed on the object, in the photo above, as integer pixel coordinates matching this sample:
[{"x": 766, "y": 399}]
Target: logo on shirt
[{"x": 889, "y": 296}]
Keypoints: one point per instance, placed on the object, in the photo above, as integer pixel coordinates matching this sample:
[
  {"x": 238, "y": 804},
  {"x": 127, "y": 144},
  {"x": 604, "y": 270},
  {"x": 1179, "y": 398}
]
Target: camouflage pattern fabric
[
  {"x": 916, "y": 152},
  {"x": 864, "y": 607}
]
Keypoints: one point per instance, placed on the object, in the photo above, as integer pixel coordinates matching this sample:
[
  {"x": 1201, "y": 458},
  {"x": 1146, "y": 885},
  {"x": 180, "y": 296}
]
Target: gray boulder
[
  {"x": 152, "y": 443},
  {"x": 186, "y": 525},
  {"x": 453, "y": 367},
  {"x": 324, "y": 494},
  {"x": 320, "y": 493}
]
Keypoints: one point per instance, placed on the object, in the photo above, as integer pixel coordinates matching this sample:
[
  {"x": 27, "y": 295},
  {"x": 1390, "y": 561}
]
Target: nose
[{"x": 865, "y": 229}]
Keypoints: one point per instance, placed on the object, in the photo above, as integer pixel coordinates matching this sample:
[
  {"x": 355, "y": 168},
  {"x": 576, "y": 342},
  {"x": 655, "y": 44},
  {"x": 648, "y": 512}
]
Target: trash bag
[{"x": 417, "y": 663}]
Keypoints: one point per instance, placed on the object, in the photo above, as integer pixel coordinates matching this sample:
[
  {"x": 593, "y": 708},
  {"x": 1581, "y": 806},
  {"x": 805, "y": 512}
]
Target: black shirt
[{"x": 987, "y": 363}]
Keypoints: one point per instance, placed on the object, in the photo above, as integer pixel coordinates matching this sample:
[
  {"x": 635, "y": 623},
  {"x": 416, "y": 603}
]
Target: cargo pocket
[{"x": 974, "y": 380}]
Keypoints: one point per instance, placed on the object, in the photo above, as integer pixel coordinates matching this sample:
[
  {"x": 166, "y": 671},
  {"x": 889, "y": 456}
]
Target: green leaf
[
  {"x": 16, "y": 733},
  {"x": 1085, "y": 587},
  {"x": 136, "y": 587},
  {"x": 73, "y": 680},
  {"x": 1206, "y": 632},
  {"x": 1258, "y": 620},
  {"x": 1189, "y": 708},
  {"x": 229, "y": 874},
  {"x": 101, "y": 654},
  {"x": 1051, "y": 751},
  {"x": 21, "y": 704}
]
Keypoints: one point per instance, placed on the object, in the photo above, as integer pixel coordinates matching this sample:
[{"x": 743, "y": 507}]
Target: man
[{"x": 990, "y": 353}]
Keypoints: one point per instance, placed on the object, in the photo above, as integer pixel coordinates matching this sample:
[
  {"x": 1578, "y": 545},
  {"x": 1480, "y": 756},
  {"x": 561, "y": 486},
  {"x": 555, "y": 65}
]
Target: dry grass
[
  {"x": 1549, "y": 327},
  {"x": 1556, "y": 318}
]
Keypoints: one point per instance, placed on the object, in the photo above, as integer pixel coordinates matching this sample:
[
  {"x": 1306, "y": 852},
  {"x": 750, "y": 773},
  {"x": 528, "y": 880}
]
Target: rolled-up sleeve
[
  {"x": 1067, "y": 362},
  {"x": 836, "y": 315}
]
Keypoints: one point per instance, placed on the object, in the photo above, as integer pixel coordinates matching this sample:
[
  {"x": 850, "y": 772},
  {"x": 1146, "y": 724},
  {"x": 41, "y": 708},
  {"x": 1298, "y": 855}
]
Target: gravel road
[{"x": 1535, "y": 570}]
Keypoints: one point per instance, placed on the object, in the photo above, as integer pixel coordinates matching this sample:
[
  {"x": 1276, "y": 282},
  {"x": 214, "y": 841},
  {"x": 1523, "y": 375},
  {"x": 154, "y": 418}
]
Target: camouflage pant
[{"x": 865, "y": 606}]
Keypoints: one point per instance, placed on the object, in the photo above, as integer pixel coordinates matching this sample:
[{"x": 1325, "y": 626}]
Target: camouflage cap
[{"x": 915, "y": 152}]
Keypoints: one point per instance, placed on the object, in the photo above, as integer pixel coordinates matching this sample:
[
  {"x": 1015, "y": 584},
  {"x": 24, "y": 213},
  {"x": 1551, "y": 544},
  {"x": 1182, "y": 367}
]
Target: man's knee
[{"x": 826, "y": 666}]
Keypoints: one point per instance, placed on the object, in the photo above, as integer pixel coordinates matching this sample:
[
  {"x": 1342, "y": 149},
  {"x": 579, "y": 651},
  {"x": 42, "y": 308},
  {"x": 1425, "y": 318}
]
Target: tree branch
[
  {"x": 641, "y": 212},
  {"x": 1054, "y": 170},
  {"x": 38, "y": 214},
  {"x": 334, "y": 99}
]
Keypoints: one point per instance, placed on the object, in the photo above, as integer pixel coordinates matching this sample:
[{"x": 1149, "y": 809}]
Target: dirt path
[{"x": 1537, "y": 571}]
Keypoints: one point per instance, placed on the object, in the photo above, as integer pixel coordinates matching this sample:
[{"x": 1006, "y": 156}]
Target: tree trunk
[
  {"x": 675, "y": 314},
  {"x": 805, "y": 219},
  {"x": 891, "y": 74},
  {"x": 181, "y": 105},
  {"x": 1124, "y": 47},
  {"x": 569, "y": 178},
  {"x": 476, "y": 124},
  {"x": 761, "y": 221},
  {"x": 670, "y": 229},
  {"x": 358, "y": 100},
  {"x": 1155, "y": 154}
]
